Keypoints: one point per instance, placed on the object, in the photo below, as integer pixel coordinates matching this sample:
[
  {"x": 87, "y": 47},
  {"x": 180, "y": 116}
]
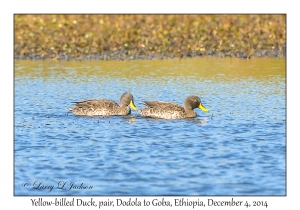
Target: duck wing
[
  {"x": 163, "y": 110},
  {"x": 159, "y": 104},
  {"x": 96, "y": 104}
]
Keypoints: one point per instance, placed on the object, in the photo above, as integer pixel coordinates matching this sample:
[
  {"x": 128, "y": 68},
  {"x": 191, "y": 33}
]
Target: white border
[{"x": 8, "y": 8}]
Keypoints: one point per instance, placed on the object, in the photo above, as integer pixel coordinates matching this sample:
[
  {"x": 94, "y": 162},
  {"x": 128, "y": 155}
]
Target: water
[{"x": 238, "y": 148}]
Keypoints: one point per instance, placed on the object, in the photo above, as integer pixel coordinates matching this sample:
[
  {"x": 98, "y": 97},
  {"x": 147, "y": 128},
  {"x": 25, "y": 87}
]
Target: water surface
[{"x": 238, "y": 148}]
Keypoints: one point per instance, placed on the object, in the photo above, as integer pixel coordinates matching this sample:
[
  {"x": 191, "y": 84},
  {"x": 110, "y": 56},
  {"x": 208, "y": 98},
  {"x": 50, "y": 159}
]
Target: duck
[
  {"x": 105, "y": 107},
  {"x": 169, "y": 110}
]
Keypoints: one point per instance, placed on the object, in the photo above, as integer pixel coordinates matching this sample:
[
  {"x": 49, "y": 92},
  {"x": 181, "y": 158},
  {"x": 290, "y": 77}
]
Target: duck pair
[{"x": 157, "y": 109}]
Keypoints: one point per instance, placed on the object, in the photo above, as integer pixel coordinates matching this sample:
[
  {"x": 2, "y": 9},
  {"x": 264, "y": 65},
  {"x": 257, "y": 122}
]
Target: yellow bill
[
  {"x": 203, "y": 108},
  {"x": 132, "y": 106}
]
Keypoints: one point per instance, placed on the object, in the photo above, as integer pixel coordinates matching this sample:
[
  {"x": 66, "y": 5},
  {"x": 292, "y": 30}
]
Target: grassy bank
[{"x": 123, "y": 37}]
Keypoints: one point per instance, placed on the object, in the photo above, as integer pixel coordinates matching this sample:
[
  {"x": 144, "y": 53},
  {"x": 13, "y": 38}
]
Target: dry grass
[{"x": 120, "y": 37}]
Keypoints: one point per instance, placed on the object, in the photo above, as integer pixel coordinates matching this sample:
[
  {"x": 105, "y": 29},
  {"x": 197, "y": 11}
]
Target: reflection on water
[
  {"x": 206, "y": 68},
  {"x": 238, "y": 148}
]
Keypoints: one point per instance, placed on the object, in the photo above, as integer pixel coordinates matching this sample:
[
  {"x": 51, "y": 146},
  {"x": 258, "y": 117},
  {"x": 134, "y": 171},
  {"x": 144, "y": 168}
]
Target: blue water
[{"x": 238, "y": 148}]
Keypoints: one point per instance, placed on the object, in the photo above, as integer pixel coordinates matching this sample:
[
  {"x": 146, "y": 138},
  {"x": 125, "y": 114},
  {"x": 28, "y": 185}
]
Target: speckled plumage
[
  {"x": 104, "y": 107},
  {"x": 167, "y": 110}
]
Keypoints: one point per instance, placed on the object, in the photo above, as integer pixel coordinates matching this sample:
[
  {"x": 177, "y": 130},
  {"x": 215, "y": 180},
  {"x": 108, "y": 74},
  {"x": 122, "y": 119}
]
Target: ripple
[{"x": 237, "y": 149}]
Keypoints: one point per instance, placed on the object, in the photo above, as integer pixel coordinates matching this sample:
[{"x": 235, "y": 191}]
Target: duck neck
[
  {"x": 123, "y": 105},
  {"x": 187, "y": 108},
  {"x": 189, "y": 112}
]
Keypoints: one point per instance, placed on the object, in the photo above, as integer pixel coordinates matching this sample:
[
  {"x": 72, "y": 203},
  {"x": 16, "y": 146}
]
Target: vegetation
[{"x": 123, "y": 37}]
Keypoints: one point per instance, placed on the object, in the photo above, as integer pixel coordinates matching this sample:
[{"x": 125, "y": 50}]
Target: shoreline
[{"x": 121, "y": 56}]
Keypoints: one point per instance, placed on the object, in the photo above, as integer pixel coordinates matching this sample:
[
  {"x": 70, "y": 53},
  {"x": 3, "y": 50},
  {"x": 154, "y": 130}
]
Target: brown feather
[
  {"x": 167, "y": 110},
  {"x": 103, "y": 107}
]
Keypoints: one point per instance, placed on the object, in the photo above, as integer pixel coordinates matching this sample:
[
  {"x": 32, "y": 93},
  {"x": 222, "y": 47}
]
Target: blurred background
[{"x": 130, "y": 37}]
